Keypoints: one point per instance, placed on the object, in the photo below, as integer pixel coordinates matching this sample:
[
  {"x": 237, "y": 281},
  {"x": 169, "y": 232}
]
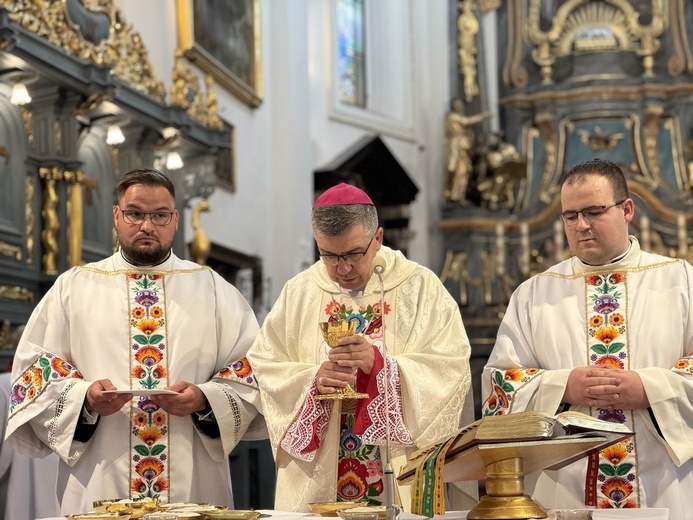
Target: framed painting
[{"x": 223, "y": 38}]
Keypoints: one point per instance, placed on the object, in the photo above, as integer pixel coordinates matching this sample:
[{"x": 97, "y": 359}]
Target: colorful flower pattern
[
  {"x": 240, "y": 371},
  {"x": 45, "y": 370},
  {"x": 616, "y": 473},
  {"x": 149, "y": 473},
  {"x": 360, "y": 469}
]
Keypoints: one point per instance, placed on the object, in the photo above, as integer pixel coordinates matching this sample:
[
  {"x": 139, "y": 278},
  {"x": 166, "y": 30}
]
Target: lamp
[
  {"x": 20, "y": 95},
  {"x": 166, "y": 148},
  {"x": 19, "y": 79},
  {"x": 173, "y": 160},
  {"x": 114, "y": 135}
]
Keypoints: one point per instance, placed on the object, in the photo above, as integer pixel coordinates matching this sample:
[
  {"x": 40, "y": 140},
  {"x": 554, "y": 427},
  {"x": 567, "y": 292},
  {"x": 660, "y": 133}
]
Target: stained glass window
[{"x": 351, "y": 62}]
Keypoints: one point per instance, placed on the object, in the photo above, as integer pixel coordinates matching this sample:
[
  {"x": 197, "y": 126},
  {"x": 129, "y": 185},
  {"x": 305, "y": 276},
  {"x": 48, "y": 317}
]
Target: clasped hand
[
  {"x": 605, "y": 387},
  {"x": 352, "y": 352},
  {"x": 189, "y": 399}
]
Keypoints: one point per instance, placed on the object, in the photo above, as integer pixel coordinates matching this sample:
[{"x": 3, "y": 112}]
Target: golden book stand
[{"x": 504, "y": 460}]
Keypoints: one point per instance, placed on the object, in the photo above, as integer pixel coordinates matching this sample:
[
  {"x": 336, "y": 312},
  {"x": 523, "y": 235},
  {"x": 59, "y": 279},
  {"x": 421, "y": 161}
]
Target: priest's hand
[
  {"x": 104, "y": 404},
  {"x": 353, "y": 352},
  {"x": 592, "y": 386},
  {"x": 631, "y": 392},
  {"x": 189, "y": 399},
  {"x": 332, "y": 377}
]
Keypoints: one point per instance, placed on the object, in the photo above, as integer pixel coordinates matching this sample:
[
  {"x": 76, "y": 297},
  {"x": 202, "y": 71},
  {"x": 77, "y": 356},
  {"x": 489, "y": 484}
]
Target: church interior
[{"x": 457, "y": 117}]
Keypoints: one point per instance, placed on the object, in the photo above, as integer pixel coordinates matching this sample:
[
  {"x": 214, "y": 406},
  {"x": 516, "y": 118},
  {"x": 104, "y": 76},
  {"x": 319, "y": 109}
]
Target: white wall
[{"x": 298, "y": 128}]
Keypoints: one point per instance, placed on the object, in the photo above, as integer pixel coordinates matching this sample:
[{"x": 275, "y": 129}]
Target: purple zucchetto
[{"x": 343, "y": 194}]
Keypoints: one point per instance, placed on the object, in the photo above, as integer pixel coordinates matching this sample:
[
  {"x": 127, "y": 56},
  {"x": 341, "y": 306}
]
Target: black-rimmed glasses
[
  {"x": 590, "y": 214},
  {"x": 349, "y": 258},
  {"x": 158, "y": 218}
]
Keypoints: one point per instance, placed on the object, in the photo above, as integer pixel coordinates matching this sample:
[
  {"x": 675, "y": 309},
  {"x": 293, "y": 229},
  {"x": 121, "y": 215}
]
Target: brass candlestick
[{"x": 332, "y": 331}]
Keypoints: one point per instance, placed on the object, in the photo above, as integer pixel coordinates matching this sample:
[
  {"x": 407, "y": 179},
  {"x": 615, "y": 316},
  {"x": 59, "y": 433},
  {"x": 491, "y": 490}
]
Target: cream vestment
[
  {"x": 428, "y": 359},
  {"x": 142, "y": 328},
  {"x": 634, "y": 314}
]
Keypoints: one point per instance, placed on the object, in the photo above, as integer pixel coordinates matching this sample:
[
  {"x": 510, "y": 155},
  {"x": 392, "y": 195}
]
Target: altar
[{"x": 597, "y": 514}]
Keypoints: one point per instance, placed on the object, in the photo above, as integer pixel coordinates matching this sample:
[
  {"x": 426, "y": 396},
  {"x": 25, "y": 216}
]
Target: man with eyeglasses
[
  {"x": 329, "y": 450},
  {"x": 607, "y": 333},
  {"x": 105, "y": 342}
]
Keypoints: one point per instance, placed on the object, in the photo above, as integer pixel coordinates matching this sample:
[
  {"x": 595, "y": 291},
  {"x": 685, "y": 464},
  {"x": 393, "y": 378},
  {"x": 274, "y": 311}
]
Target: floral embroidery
[
  {"x": 359, "y": 474},
  {"x": 504, "y": 385},
  {"x": 615, "y": 468},
  {"x": 149, "y": 468},
  {"x": 360, "y": 470},
  {"x": 240, "y": 371},
  {"x": 33, "y": 381},
  {"x": 351, "y": 480},
  {"x": 685, "y": 364}
]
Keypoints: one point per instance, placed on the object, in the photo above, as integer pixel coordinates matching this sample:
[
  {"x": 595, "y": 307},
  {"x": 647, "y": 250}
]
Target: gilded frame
[{"x": 246, "y": 84}]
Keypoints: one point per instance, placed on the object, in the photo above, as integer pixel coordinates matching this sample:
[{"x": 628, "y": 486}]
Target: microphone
[
  {"x": 391, "y": 509},
  {"x": 378, "y": 265}
]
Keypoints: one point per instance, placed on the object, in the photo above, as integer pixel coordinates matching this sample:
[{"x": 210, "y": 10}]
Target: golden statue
[
  {"x": 468, "y": 28},
  {"x": 200, "y": 247},
  {"x": 459, "y": 144},
  {"x": 506, "y": 167}
]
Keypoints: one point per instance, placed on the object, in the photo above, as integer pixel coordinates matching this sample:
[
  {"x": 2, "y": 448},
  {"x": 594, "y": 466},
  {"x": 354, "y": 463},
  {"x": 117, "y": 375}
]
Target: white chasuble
[
  {"x": 634, "y": 314},
  {"x": 325, "y": 452},
  {"x": 143, "y": 329}
]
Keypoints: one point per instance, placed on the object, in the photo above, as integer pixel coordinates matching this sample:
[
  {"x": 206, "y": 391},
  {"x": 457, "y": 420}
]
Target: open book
[{"x": 541, "y": 440}]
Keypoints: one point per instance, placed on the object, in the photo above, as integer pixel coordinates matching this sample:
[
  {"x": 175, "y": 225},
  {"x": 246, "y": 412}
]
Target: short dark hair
[
  {"x": 607, "y": 169},
  {"x": 146, "y": 176},
  {"x": 337, "y": 220}
]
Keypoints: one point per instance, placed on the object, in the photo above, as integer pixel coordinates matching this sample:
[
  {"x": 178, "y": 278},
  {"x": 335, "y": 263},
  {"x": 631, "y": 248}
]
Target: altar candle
[
  {"x": 558, "y": 240},
  {"x": 681, "y": 228},
  {"x": 500, "y": 248},
  {"x": 645, "y": 242},
  {"x": 524, "y": 248}
]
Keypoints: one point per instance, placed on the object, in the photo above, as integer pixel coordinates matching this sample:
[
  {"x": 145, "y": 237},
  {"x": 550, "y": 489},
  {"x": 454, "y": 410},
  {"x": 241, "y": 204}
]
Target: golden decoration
[
  {"x": 489, "y": 5},
  {"x": 456, "y": 269},
  {"x": 75, "y": 206},
  {"x": 467, "y": 30},
  {"x": 28, "y": 117},
  {"x": 514, "y": 74},
  {"x": 653, "y": 116},
  {"x": 58, "y": 133},
  {"x": 91, "y": 103},
  {"x": 186, "y": 93},
  {"x": 122, "y": 50},
  {"x": 592, "y": 27},
  {"x": 676, "y": 63},
  {"x": 10, "y": 250},
  {"x": 29, "y": 218},
  {"x": 5, "y": 336},
  {"x": 459, "y": 145},
  {"x": 200, "y": 247},
  {"x": 5, "y": 153},
  {"x": 598, "y": 140},
  {"x": 16, "y": 293},
  {"x": 51, "y": 223}
]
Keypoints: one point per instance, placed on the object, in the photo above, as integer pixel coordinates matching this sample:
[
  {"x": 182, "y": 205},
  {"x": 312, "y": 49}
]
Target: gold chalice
[{"x": 332, "y": 331}]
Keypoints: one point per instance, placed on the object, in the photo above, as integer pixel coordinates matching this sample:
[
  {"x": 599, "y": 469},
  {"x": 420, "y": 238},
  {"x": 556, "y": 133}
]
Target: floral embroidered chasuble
[
  {"x": 634, "y": 316},
  {"x": 326, "y": 451},
  {"x": 154, "y": 335}
]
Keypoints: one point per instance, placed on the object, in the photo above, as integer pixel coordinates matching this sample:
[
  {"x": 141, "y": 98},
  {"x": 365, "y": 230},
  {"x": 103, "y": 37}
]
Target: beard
[{"x": 146, "y": 256}]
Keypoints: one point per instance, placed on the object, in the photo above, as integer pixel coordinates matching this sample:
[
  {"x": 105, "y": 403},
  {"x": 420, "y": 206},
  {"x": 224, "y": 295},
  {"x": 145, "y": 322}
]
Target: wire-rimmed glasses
[
  {"x": 590, "y": 214},
  {"x": 157, "y": 218}
]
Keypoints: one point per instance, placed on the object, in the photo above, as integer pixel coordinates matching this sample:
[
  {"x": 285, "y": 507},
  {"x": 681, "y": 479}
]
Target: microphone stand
[{"x": 388, "y": 472}]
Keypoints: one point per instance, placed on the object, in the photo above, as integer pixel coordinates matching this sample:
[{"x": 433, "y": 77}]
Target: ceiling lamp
[
  {"x": 173, "y": 160},
  {"x": 20, "y": 95},
  {"x": 114, "y": 135}
]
